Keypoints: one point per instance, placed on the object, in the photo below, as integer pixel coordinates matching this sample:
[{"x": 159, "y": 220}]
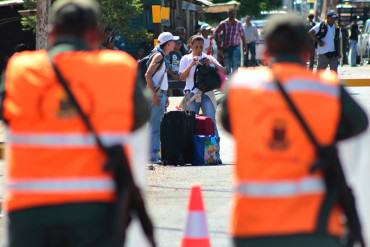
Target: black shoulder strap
[
  {"x": 297, "y": 114},
  {"x": 195, "y": 76},
  {"x": 85, "y": 119},
  {"x": 324, "y": 27},
  {"x": 330, "y": 197},
  {"x": 341, "y": 194}
]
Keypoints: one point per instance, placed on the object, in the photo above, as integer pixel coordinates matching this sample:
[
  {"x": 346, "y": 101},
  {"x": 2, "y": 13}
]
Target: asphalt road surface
[{"x": 168, "y": 188}]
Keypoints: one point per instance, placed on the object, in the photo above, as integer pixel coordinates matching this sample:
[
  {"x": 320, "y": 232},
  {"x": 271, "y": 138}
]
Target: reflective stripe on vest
[
  {"x": 196, "y": 225},
  {"x": 296, "y": 85},
  {"x": 310, "y": 86},
  {"x": 63, "y": 140},
  {"x": 67, "y": 185},
  {"x": 281, "y": 189}
]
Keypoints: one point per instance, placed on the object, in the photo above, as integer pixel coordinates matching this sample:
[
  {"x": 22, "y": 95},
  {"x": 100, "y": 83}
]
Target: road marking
[{"x": 356, "y": 82}]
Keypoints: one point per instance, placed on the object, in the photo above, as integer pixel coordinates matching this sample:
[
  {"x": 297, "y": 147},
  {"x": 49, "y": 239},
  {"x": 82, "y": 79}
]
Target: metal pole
[
  {"x": 324, "y": 9},
  {"x": 42, "y": 13}
]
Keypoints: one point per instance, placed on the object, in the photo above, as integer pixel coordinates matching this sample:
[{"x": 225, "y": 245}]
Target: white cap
[
  {"x": 167, "y": 36},
  {"x": 205, "y": 26}
]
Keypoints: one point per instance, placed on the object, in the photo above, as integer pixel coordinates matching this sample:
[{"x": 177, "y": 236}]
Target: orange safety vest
[
  {"x": 51, "y": 158},
  {"x": 275, "y": 194}
]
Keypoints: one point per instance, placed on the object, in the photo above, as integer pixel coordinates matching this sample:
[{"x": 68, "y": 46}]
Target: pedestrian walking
[
  {"x": 311, "y": 24},
  {"x": 174, "y": 58},
  {"x": 228, "y": 35},
  {"x": 214, "y": 45},
  {"x": 188, "y": 64},
  {"x": 251, "y": 36},
  {"x": 327, "y": 36},
  {"x": 281, "y": 199},
  {"x": 59, "y": 190},
  {"x": 157, "y": 82},
  {"x": 353, "y": 40},
  {"x": 205, "y": 31},
  {"x": 181, "y": 32}
]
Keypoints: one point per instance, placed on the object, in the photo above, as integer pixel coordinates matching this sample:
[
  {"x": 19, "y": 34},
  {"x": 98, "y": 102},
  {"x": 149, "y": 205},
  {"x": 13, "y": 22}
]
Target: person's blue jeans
[
  {"x": 156, "y": 116},
  {"x": 207, "y": 107},
  {"x": 352, "y": 52},
  {"x": 251, "y": 48},
  {"x": 232, "y": 58}
]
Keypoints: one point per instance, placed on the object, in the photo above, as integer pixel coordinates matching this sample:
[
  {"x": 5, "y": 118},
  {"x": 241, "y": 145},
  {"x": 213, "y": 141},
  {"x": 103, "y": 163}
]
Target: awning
[
  {"x": 205, "y": 2},
  {"x": 222, "y": 7},
  {"x": 10, "y": 2}
]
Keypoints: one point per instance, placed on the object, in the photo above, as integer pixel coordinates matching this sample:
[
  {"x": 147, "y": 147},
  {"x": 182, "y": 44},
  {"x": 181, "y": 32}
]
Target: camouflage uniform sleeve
[
  {"x": 353, "y": 119},
  {"x": 225, "y": 118},
  {"x": 2, "y": 94}
]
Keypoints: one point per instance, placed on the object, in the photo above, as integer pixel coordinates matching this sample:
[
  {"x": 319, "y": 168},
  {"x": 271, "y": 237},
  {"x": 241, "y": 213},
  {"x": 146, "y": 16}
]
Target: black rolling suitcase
[{"x": 177, "y": 130}]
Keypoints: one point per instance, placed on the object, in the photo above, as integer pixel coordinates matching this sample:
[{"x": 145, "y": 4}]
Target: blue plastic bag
[{"x": 206, "y": 150}]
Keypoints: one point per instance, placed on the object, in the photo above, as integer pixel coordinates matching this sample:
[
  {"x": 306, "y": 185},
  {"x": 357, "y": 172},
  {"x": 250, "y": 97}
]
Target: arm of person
[
  {"x": 256, "y": 36},
  {"x": 2, "y": 94},
  {"x": 185, "y": 67},
  {"x": 225, "y": 118},
  {"x": 313, "y": 31},
  {"x": 152, "y": 68},
  {"x": 173, "y": 75},
  {"x": 217, "y": 32},
  {"x": 217, "y": 64},
  {"x": 141, "y": 103},
  {"x": 243, "y": 36},
  {"x": 353, "y": 119}
]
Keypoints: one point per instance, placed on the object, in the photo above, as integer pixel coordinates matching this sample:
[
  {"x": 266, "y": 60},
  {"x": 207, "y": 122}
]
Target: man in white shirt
[
  {"x": 326, "y": 34},
  {"x": 251, "y": 36},
  {"x": 205, "y": 31}
]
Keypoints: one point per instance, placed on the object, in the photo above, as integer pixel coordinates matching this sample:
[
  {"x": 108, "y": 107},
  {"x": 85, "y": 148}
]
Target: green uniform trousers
[
  {"x": 82, "y": 224},
  {"x": 289, "y": 241}
]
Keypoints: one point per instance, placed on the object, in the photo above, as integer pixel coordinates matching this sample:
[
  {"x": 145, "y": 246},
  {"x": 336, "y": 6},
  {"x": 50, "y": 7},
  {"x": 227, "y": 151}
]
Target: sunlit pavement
[{"x": 168, "y": 187}]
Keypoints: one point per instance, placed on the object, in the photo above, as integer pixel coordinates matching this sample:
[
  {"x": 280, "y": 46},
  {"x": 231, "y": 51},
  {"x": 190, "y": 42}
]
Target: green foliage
[
  {"x": 119, "y": 14},
  {"x": 29, "y": 22},
  {"x": 254, "y": 8},
  {"x": 247, "y": 7},
  {"x": 116, "y": 13}
]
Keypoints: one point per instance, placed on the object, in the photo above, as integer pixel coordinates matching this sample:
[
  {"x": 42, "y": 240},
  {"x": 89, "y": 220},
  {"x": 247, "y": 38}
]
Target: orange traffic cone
[{"x": 196, "y": 231}]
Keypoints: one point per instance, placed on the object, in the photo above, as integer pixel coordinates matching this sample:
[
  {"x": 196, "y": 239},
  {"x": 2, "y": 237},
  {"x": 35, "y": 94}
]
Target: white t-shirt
[
  {"x": 207, "y": 42},
  {"x": 184, "y": 63},
  {"x": 328, "y": 39},
  {"x": 158, "y": 75},
  {"x": 251, "y": 33}
]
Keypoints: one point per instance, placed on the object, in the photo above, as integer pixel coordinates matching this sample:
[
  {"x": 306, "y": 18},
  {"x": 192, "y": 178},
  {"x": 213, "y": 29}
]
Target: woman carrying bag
[{"x": 188, "y": 64}]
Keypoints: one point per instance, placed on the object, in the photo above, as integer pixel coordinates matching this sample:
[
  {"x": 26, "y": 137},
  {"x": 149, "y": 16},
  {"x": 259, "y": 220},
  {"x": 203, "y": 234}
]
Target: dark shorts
[
  {"x": 289, "y": 241},
  {"x": 83, "y": 224}
]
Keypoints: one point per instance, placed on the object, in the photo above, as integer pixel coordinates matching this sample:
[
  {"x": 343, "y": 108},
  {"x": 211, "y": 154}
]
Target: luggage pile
[{"x": 187, "y": 138}]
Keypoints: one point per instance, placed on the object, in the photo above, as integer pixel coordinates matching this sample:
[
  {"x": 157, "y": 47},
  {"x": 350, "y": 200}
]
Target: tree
[
  {"x": 254, "y": 8},
  {"x": 42, "y": 23},
  {"x": 251, "y": 7},
  {"x": 119, "y": 14},
  {"x": 116, "y": 13}
]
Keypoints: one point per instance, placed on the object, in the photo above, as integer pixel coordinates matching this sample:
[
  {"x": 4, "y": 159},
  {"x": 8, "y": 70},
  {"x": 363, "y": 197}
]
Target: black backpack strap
[
  {"x": 330, "y": 197},
  {"x": 195, "y": 76},
  {"x": 128, "y": 198},
  {"x": 297, "y": 114},
  {"x": 320, "y": 34},
  {"x": 85, "y": 119}
]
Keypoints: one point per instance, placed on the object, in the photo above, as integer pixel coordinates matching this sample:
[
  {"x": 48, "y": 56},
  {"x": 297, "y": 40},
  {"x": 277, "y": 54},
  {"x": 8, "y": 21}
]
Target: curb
[
  {"x": 356, "y": 82},
  {"x": 2, "y": 145}
]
